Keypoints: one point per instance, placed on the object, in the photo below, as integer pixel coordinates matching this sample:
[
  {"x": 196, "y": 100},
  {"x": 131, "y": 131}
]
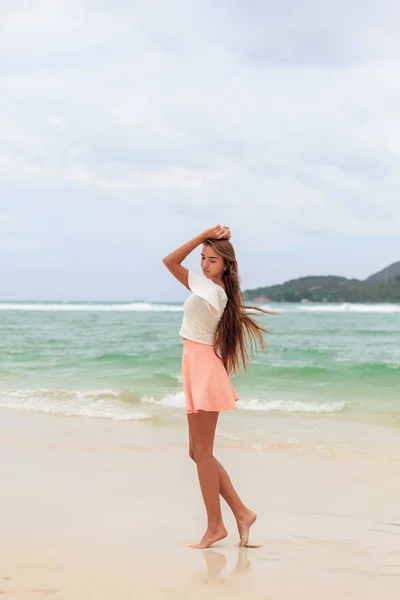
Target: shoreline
[{"x": 104, "y": 509}]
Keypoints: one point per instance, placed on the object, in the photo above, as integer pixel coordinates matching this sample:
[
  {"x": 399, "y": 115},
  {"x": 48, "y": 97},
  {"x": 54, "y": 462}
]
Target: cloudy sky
[{"x": 127, "y": 127}]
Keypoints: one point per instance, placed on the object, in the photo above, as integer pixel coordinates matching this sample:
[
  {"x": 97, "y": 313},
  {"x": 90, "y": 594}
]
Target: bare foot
[
  {"x": 210, "y": 537},
  {"x": 244, "y": 525}
]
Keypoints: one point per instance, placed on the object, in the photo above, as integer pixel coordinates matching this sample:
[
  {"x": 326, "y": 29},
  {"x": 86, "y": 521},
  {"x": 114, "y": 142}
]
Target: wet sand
[{"x": 101, "y": 509}]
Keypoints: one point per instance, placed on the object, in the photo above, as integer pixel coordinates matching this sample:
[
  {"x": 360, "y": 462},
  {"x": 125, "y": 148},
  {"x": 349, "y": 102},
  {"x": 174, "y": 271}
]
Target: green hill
[
  {"x": 383, "y": 286},
  {"x": 389, "y": 273}
]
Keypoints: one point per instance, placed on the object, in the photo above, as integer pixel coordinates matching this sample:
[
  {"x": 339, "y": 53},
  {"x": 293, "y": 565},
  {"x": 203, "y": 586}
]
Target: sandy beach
[{"x": 101, "y": 509}]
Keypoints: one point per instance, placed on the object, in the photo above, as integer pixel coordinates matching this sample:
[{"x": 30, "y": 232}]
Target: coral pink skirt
[{"x": 206, "y": 384}]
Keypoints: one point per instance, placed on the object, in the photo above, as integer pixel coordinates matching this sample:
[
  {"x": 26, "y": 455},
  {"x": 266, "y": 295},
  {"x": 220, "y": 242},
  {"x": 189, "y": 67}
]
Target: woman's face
[{"x": 212, "y": 264}]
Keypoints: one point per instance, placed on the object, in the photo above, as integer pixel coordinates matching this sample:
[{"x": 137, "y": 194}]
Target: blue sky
[{"x": 127, "y": 127}]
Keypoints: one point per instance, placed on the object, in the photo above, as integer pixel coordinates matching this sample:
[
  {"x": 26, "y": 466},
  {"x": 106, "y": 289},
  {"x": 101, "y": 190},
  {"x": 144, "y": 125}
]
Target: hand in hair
[{"x": 217, "y": 233}]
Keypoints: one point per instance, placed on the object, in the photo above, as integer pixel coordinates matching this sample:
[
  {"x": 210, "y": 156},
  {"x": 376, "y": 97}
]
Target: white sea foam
[
  {"x": 353, "y": 308},
  {"x": 170, "y": 400},
  {"x": 291, "y": 406},
  {"x": 97, "y": 404},
  {"x": 155, "y": 307},
  {"x": 229, "y": 436},
  {"x": 287, "y": 406},
  {"x": 59, "y": 307},
  {"x": 268, "y": 307},
  {"x": 177, "y": 377}
]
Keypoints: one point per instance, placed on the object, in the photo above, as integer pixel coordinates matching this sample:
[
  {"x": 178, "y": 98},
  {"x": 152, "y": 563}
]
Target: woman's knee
[{"x": 202, "y": 452}]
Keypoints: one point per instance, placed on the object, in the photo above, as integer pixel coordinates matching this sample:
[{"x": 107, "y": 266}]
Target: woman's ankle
[
  {"x": 215, "y": 524},
  {"x": 242, "y": 513}
]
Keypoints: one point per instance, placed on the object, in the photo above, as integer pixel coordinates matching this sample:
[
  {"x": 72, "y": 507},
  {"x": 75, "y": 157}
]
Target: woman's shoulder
[
  {"x": 211, "y": 292},
  {"x": 199, "y": 280}
]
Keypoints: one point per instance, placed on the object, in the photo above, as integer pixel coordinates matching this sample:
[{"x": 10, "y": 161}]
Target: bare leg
[
  {"x": 244, "y": 517},
  {"x": 202, "y": 427}
]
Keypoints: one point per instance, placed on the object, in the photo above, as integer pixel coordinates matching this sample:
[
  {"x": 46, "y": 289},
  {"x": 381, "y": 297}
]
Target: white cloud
[{"x": 279, "y": 118}]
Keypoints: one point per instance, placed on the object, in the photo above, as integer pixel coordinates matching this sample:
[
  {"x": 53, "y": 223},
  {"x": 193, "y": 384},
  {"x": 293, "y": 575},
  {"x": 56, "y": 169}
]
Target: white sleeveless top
[{"x": 203, "y": 310}]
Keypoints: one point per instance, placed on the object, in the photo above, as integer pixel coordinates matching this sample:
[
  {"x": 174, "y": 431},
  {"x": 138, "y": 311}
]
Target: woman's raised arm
[{"x": 173, "y": 261}]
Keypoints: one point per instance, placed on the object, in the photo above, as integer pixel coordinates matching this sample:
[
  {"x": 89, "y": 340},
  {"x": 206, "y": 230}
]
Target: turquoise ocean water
[{"x": 122, "y": 362}]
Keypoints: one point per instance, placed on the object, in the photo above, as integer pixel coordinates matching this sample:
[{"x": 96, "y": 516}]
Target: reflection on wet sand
[{"x": 217, "y": 561}]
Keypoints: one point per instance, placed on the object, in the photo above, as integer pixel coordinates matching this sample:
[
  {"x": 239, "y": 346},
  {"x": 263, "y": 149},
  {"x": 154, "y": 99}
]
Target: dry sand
[{"x": 103, "y": 510}]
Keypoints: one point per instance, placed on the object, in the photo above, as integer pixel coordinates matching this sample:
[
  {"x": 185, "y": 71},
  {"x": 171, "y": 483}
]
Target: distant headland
[{"x": 380, "y": 287}]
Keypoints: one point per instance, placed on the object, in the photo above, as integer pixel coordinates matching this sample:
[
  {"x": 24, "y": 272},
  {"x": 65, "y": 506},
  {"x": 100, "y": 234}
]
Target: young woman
[{"x": 217, "y": 332}]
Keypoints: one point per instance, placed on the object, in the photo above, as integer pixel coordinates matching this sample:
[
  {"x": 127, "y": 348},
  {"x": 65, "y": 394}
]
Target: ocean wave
[
  {"x": 370, "y": 369},
  {"x": 95, "y": 404},
  {"x": 297, "y": 369},
  {"x": 170, "y": 400},
  {"x": 353, "y": 308},
  {"x": 286, "y": 406},
  {"x": 59, "y": 307},
  {"x": 340, "y": 368},
  {"x": 291, "y": 406}
]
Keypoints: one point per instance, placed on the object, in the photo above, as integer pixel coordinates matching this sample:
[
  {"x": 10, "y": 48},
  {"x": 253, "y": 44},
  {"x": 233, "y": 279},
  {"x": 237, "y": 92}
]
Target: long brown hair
[{"x": 237, "y": 334}]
